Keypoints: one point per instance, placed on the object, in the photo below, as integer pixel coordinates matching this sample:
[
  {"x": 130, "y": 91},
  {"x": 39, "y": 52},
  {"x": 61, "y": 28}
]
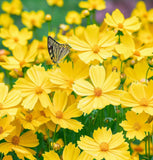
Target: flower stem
[
  {"x": 64, "y": 136},
  {"x": 148, "y": 144},
  {"x": 53, "y": 140},
  {"x": 94, "y": 17}
]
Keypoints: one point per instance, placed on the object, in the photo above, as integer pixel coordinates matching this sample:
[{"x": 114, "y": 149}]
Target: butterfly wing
[{"x": 56, "y": 50}]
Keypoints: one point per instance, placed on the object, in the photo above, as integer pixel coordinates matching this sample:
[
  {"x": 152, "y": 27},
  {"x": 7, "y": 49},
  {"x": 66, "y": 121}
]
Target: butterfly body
[{"x": 56, "y": 50}]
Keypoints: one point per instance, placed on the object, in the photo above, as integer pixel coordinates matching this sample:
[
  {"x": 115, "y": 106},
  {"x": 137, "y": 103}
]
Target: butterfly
[{"x": 56, "y": 50}]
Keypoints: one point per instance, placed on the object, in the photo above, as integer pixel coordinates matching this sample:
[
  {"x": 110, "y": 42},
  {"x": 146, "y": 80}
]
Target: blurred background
[{"x": 59, "y": 13}]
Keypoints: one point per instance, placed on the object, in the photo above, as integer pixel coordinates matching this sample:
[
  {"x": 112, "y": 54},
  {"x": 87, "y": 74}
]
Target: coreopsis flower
[
  {"x": 58, "y": 3},
  {"x": 14, "y": 7},
  {"x": 135, "y": 125},
  {"x": 20, "y": 143},
  {"x": 102, "y": 92},
  {"x": 119, "y": 23},
  {"x": 94, "y": 45},
  {"x": 141, "y": 12},
  {"x": 23, "y": 56},
  {"x": 129, "y": 48},
  {"x": 139, "y": 97},
  {"x": 73, "y": 17},
  {"x": 5, "y": 20},
  {"x": 138, "y": 72},
  {"x": 9, "y": 100},
  {"x": 12, "y": 36},
  {"x": 70, "y": 152},
  {"x": 33, "y": 19},
  {"x": 31, "y": 120},
  {"x": 34, "y": 87},
  {"x": 105, "y": 145},
  {"x": 93, "y": 4},
  {"x": 67, "y": 74},
  {"x": 5, "y": 127},
  {"x": 138, "y": 148},
  {"x": 61, "y": 112}
]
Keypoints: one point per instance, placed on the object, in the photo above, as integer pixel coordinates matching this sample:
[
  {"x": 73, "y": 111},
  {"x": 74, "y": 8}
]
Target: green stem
[
  {"x": 147, "y": 73},
  {"x": 64, "y": 136},
  {"x": 53, "y": 140},
  {"x": 94, "y": 17},
  {"x": 49, "y": 25},
  {"x": 88, "y": 20},
  {"x": 121, "y": 67},
  {"x": 148, "y": 144}
]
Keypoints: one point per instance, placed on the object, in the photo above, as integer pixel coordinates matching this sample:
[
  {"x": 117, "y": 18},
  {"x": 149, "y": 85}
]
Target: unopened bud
[{"x": 48, "y": 17}]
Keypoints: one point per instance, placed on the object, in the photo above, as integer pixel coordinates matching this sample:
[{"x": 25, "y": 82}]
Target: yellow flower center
[
  {"x": 136, "y": 53},
  {"x": 145, "y": 15},
  {"x": 43, "y": 113},
  {"x": 70, "y": 82},
  {"x": 104, "y": 146},
  {"x": 59, "y": 114},
  {"x": 16, "y": 39},
  {"x": 56, "y": 146},
  {"x": 120, "y": 25},
  {"x": 136, "y": 126},
  {"x": 33, "y": 22},
  {"x": 96, "y": 49},
  {"x": 1, "y": 129},
  {"x": 15, "y": 140},
  {"x": 144, "y": 102},
  {"x": 1, "y": 105},
  {"x": 28, "y": 117},
  {"x": 138, "y": 149},
  {"x": 98, "y": 92},
  {"x": 38, "y": 90},
  {"x": 22, "y": 63}
]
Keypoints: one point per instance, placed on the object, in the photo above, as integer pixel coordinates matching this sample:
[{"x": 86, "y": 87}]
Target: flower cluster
[{"x": 95, "y": 103}]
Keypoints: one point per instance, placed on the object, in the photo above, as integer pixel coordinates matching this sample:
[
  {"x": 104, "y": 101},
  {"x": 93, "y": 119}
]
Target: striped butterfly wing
[{"x": 56, "y": 50}]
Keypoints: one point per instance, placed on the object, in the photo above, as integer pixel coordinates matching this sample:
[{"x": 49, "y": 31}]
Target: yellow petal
[
  {"x": 118, "y": 16},
  {"x": 3, "y": 92},
  {"x": 51, "y": 155}
]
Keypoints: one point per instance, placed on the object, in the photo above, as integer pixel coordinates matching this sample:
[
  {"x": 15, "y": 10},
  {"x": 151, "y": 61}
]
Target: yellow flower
[
  {"x": 21, "y": 144},
  {"x": 141, "y": 12},
  {"x": 70, "y": 152},
  {"x": 138, "y": 72},
  {"x": 105, "y": 145},
  {"x": 7, "y": 157},
  {"x": 94, "y": 45},
  {"x": 103, "y": 91},
  {"x": 31, "y": 120},
  {"x": 34, "y": 87},
  {"x": 14, "y": 7},
  {"x": 67, "y": 74},
  {"x": 118, "y": 22},
  {"x": 129, "y": 48},
  {"x": 9, "y": 100},
  {"x": 1, "y": 77},
  {"x": 138, "y": 148},
  {"x": 5, "y": 127},
  {"x": 135, "y": 125},
  {"x": 73, "y": 17},
  {"x": 13, "y": 36},
  {"x": 5, "y": 20},
  {"x": 61, "y": 113},
  {"x": 93, "y": 4},
  {"x": 33, "y": 19},
  {"x": 58, "y": 3},
  {"x": 139, "y": 97}
]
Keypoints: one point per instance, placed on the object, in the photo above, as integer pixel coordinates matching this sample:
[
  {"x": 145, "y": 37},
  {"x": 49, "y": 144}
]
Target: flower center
[
  {"x": 33, "y": 22},
  {"x": 38, "y": 90},
  {"x": 28, "y": 117},
  {"x": 144, "y": 102},
  {"x": 16, "y": 39},
  {"x": 96, "y": 49},
  {"x": 136, "y": 53},
  {"x": 136, "y": 126},
  {"x": 43, "y": 113},
  {"x": 22, "y": 63},
  {"x": 104, "y": 146},
  {"x": 138, "y": 149},
  {"x": 59, "y": 114},
  {"x": 120, "y": 25},
  {"x": 1, "y": 129},
  {"x": 15, "y": 140},
  {"x": 98, "y": 92},
  {"x": 145, "y": 15}
]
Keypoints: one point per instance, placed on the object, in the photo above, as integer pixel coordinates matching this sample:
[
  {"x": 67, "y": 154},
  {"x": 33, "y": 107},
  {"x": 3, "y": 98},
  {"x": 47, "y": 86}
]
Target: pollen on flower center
[
  {"x": 38, "y": 90},
  {"x": 104, "y": 146},
  {"x": 120, "y": 25},
  {"x": 1, "y": 129},
  {"x": 59, "y": 114},
  {"x": 96, "y": 49},
  {"x": 144, "y": 102},
  {"x": 136, "y": 126},
  {"x": 98, "y": 92},
  {"x": 16, "y": 39},
  {"x": 137, "y": 53},
  {"x": 28, "y": 117},
  {"x": 15, "y": 140}
]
